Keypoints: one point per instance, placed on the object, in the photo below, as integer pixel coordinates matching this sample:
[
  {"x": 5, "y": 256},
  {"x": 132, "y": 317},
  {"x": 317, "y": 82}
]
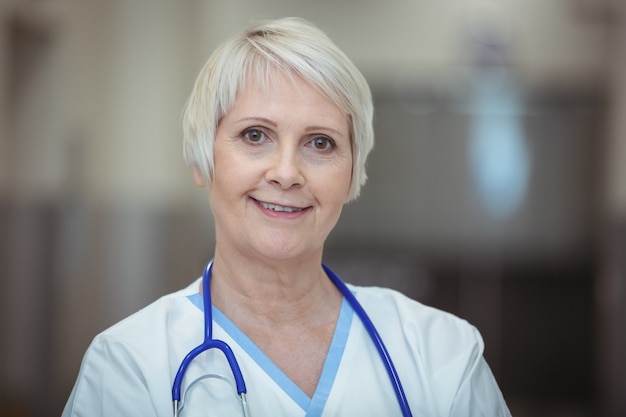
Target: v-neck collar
[{"x": 313, "y": 406}]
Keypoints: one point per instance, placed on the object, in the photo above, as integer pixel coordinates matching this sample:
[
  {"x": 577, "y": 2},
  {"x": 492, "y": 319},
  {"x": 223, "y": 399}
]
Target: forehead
[{"x": 286, "y": 96}]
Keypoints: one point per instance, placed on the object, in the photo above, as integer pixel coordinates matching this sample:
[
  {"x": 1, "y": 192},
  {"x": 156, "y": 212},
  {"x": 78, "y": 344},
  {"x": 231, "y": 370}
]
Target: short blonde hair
[{"x": 291, "y": 45}]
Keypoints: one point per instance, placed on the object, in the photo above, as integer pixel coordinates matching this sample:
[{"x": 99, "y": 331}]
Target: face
[{"x": 283, "y": 167}]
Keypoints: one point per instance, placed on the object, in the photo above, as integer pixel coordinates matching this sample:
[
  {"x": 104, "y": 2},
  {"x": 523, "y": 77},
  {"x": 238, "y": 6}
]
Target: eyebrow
[
  {"x": 257, "y": 119},
  {"x": 318, "y": 128},
  {"x": 274, "y": 124}
]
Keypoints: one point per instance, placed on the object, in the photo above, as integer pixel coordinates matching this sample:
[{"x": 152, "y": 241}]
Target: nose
[{"x": 286, "y": 169}]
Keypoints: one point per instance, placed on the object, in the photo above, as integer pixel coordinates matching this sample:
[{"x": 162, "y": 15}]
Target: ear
[{"x": 198, "y": 177}]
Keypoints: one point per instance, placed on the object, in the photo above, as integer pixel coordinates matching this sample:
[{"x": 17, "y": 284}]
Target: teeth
[{"x": 276, "y": 207}]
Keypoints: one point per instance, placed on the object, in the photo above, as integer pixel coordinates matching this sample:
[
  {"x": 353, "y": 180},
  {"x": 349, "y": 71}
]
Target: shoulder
[
  {"x": 435, "y": 350},
  {"x": 424, "y": 329},
  {"x": 134, "y": 356},
  {"x": 152, "y": 320},
  {"x": 398, "y": 306},
  {"x": 142, "y": 334}
]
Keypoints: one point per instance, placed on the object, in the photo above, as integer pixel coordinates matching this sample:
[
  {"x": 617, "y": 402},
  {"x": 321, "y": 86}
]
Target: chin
[{"x": 278, "y": 251}]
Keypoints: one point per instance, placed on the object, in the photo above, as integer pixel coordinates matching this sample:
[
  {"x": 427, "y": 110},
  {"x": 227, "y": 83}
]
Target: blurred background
[{"x": 497, "y": 185}]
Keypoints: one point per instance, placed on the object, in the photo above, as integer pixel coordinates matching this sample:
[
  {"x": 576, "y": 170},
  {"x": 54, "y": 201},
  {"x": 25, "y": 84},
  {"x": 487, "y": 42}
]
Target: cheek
[
  {"x": 223, "y": 183},
  {"x": 226, "y": 170},
  {"x": 337, "y": 184}
]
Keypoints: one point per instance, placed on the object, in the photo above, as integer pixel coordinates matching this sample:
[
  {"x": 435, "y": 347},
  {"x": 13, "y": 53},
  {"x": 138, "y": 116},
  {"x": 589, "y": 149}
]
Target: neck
[{"x": 276, "y": 294}]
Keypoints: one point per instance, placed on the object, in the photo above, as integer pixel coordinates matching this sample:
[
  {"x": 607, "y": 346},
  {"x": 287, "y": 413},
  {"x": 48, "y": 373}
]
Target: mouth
[{"x": 278, "y": 208}]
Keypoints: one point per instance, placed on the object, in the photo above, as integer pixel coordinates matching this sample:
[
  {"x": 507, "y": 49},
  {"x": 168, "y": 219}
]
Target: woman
[{"x": 277, "y": 129}]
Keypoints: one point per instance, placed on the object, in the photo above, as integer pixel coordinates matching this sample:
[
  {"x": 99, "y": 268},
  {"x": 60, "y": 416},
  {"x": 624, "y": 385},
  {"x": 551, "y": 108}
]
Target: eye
[
  {"x": 322, "y": 143},
  {"x": 255, "y": 136}
]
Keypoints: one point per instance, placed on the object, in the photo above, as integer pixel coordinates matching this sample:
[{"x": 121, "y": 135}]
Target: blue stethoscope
[{"x": 210, "y": 343}]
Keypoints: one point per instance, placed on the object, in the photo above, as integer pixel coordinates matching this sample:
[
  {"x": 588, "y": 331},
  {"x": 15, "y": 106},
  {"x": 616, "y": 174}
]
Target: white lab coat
[{"x": 128, "y": 369}]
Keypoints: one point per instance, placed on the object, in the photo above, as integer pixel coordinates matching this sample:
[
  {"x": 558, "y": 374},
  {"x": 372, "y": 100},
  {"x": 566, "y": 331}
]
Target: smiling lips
[{"x": 278, "y": 208}]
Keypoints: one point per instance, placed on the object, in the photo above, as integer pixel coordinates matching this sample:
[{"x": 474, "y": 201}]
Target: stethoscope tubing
[{"x": 210, "y": 343}]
